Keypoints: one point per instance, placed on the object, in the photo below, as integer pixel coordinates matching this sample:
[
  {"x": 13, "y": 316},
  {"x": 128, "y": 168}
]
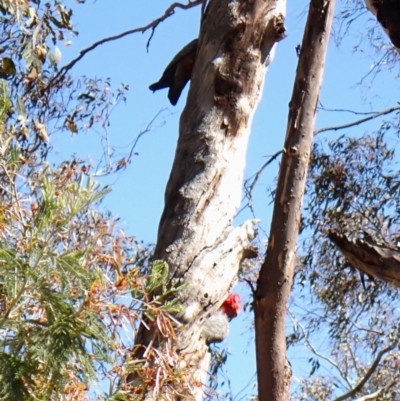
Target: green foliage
[
  {"x": 164, "y": 293},
  {"x": 50, "y": 321},
  {"x": 72, "y": 285},
  {"x": 65, "y": 277},
  {"x": 13, "y": 373},
  {"x": 158, "y": 277},
  {"x": 32, "y": 36},
  {"x": 66, "y": 269}
]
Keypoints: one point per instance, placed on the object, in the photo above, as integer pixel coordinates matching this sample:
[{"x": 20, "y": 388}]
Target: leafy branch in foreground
[{"x": 73, "y": 286}]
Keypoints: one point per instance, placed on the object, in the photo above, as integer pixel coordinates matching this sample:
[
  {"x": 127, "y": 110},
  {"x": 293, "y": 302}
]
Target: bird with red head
[
  {"x": 216, "y": 326},
  {"x": 231, "y": 305}
]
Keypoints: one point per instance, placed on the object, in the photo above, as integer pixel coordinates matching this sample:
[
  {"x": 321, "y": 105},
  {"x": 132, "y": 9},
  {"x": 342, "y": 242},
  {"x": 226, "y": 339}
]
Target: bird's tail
[{"x": 158, "y": 85}]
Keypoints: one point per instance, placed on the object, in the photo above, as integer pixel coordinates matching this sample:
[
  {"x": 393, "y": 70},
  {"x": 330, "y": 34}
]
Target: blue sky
[{"x": 138, "y": 193}]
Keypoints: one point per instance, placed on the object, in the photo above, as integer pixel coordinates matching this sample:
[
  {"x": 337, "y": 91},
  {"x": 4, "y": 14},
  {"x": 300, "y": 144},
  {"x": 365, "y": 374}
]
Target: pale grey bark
[{"x": 196, "y": 236}]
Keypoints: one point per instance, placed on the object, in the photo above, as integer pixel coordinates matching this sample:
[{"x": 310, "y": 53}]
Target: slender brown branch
[
  {"x": 357, "y": 122},
  {"x": 367, "y": 375},
  {"x": 253, "y": 291},
  {"x": 314, "y": 350},
  {"x": 276, "y": 273},
  {"x": 248, "y": 189},
  {"x": 152, "y": 25}
]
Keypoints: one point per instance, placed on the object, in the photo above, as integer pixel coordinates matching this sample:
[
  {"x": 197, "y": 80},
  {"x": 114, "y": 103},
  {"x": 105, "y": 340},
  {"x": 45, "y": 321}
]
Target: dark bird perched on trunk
[{"x": 178, "y": 72}]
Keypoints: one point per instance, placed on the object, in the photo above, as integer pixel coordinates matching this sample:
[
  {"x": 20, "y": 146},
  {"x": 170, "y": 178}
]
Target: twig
[
  {"x": 152, "y": 25},
  {"x": 369, "y": 373},
  {"x": 124, "y": 161},
  {"x": 259, "y": 172},
  {"x": 357, "y": 122},
  {"x": 248, "y": 189},
  {"x": 252, "y": 379},
  {"x": 143, "y": 132},
  {"x": 380, "y": 333},
  {"x": 363, "y": 113},
  {"x": 315, "y": 352},
  {"x": 376, "y": 68}
]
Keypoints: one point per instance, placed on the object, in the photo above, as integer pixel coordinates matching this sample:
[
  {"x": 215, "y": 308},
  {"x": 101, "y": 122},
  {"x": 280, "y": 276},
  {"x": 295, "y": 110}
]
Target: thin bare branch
[
  {"x": 246, "y": 386},
  {"x": 126, "y": 160},
  {"x": 367, "y": 375},
  {"x": 152, "y": 25},
  {"x": 364, "y": 113},
  {"x": 248, "y": 188},
  {"x": 361, "y": 328},
  {"x": 315, "y": 352},
  {"x": 377, "y": 67},
  {"x": 256, "y": 176},
  {"x": 357, "y": 122}
]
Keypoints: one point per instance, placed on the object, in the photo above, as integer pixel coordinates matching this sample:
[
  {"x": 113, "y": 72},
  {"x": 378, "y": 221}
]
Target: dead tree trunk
[
  {"x": 276, "y": 273},
  {"x": 196, "y": 236}
]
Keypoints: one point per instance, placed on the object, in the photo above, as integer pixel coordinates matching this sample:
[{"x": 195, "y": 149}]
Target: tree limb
[
  {"x": 360, "y": 113},
  {"x": 248, "y": 188},
  {"x": 368, "y": 374},
  {"x": 152, "y": 25},
  {"x": 315, "y": 352},
  {"x": 196, "y": 235},
  {"x": 372, "y": 257},
  {"x": 276, "y": 273},
  {"x": 250, "y": 183},
  {"x": 357, "y": 122},
  {"x": 377, "y": 393}
]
